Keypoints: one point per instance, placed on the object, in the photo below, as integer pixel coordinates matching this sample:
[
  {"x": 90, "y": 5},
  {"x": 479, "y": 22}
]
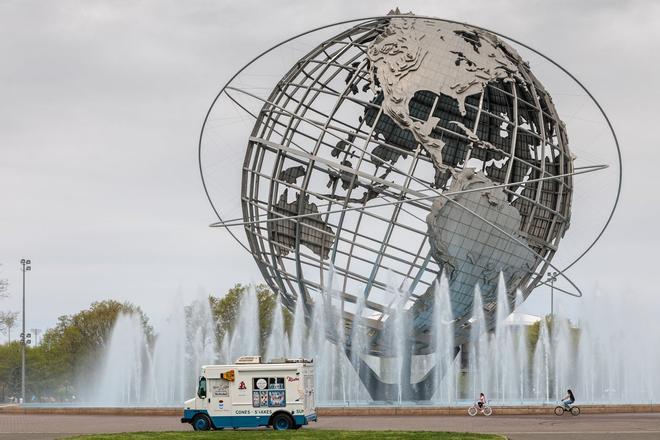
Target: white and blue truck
[{"x": 252, "y": 393}]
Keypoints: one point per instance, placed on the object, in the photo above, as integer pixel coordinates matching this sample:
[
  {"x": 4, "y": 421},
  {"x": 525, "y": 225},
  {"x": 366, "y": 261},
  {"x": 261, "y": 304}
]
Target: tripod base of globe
[{"x": 394, "y": 381}]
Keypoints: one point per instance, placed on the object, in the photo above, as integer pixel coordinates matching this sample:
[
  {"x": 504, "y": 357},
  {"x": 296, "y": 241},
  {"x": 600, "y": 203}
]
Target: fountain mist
[{"x": 510, "y": 363}]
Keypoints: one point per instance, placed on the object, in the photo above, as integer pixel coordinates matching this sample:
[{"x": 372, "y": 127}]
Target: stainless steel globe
[{"x": 396, "y": 150}]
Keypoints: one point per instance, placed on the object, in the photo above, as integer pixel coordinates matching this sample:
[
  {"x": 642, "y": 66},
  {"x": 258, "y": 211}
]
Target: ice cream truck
[{"x": 253, "y": 393}]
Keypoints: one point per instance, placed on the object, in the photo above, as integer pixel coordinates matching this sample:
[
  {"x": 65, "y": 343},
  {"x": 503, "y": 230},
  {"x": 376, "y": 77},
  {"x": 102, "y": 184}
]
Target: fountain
[
  {"x": 168, "y": 363},
  {"x": 244, "y": 339},
  {"x": 446, "y": 374},
  {"x": 278, "y": 341},
  {"x": 521, "y": 368},
  {"x": 123, "y": 365},
  {"x": 298, "y": 346},
  {"x": 592, "y": 357}
]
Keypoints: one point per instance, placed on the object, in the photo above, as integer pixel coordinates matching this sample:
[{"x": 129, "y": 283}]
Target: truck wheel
[
  {"x": 282, "y": 422},
  {"x": 201, "y": 422}
]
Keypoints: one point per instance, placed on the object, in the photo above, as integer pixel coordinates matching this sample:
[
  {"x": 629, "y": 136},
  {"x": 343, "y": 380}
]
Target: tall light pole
[
  {"x": 552, "y": 277},
  {"x": 27, "y": 265}
]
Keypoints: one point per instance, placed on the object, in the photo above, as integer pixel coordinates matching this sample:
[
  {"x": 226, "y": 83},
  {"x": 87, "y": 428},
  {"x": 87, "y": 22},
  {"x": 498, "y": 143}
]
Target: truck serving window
[{"x": 201, "y": 390}]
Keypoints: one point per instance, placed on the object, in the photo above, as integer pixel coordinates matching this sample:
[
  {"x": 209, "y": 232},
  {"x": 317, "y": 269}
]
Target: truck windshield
[{"x": 201, "y": 390}]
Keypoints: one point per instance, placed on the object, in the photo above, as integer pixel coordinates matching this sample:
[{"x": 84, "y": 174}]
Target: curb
[{"x": 373, "y": 411}]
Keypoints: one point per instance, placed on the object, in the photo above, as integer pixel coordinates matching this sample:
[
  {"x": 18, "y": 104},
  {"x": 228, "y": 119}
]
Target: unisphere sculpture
[{"x": 399, "y": 149}]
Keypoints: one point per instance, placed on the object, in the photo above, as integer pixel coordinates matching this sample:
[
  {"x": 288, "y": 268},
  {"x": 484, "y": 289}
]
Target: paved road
[{"x": 584, "y": 427}]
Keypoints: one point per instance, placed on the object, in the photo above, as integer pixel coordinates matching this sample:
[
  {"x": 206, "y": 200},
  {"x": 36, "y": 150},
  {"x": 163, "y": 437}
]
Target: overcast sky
[{"x": 101, "y": 105}]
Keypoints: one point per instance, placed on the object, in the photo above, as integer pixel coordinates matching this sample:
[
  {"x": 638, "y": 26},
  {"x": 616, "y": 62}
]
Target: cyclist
[
  {"x": 568, "y": 400},
  {"x": 482, "y": 401}
]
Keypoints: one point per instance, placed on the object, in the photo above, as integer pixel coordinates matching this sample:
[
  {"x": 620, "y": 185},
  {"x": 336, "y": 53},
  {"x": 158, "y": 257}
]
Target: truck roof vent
[{"x": 249, "y": 360}]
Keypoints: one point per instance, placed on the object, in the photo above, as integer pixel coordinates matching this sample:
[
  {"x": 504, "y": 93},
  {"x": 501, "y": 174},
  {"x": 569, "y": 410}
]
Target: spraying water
[
  {"x": 167, "y": 367},
  {"x": 521, "y": 360},
  {"x": 124, "y": 364},
  {"x": 444, "y": 344},
  {"x": 278, "y": 342},
  {"x": 298, "y": 346},
  {"x": 245, "y": 337}
]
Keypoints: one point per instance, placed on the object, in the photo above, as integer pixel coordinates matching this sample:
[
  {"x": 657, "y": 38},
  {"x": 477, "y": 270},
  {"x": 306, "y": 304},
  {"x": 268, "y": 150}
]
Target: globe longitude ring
[{"x": 402, "y": 147}]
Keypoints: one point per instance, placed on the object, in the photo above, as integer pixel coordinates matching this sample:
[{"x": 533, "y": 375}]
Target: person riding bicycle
[
  {"x": 482, "y": 401},
  {"x": 569, "y": 399}
]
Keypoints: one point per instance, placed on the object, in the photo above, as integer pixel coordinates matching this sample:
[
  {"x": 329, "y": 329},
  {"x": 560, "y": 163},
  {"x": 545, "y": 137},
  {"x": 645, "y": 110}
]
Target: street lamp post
[
  {"x": 552, "y": 277},
  {"x": 27, "y": 265}
]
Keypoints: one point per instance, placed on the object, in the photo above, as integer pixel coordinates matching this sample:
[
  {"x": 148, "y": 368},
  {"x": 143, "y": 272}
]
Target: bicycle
[
  {"x": 561, "y": 409},
  {"x": 485, "y": 410}
]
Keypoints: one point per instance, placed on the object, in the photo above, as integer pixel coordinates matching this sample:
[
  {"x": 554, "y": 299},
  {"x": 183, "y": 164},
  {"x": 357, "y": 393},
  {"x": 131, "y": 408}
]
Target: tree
[
  {"x": 71, "y": 348},
  {"x": 226, "y": 309},
  {"x": 67, "y": 353},
  {"x": 10, "y": 370},
  {"x": 267, "y": 301},
  {"x": 7, "y": 322},
  {"x": 4, "y": 285},
  {"x": 7, "y": 319}
]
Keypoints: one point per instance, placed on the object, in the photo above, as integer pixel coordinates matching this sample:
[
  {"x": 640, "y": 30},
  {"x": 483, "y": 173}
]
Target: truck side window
[{"x": 201, "y": 390}]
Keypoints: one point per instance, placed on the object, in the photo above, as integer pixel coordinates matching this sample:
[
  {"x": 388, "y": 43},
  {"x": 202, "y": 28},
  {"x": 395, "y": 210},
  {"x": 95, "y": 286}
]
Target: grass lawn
[{"x": 307, "y": 434}]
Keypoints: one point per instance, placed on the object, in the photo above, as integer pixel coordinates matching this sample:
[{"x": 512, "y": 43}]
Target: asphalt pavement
[{"x": 547, "y": 427}]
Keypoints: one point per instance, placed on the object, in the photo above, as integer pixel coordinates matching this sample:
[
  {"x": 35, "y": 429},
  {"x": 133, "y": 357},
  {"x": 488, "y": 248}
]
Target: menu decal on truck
[
  {"x": 261, "y": 383},
  {"x": 220, "y": 389},
  {"x": 276, "y": 398}
]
